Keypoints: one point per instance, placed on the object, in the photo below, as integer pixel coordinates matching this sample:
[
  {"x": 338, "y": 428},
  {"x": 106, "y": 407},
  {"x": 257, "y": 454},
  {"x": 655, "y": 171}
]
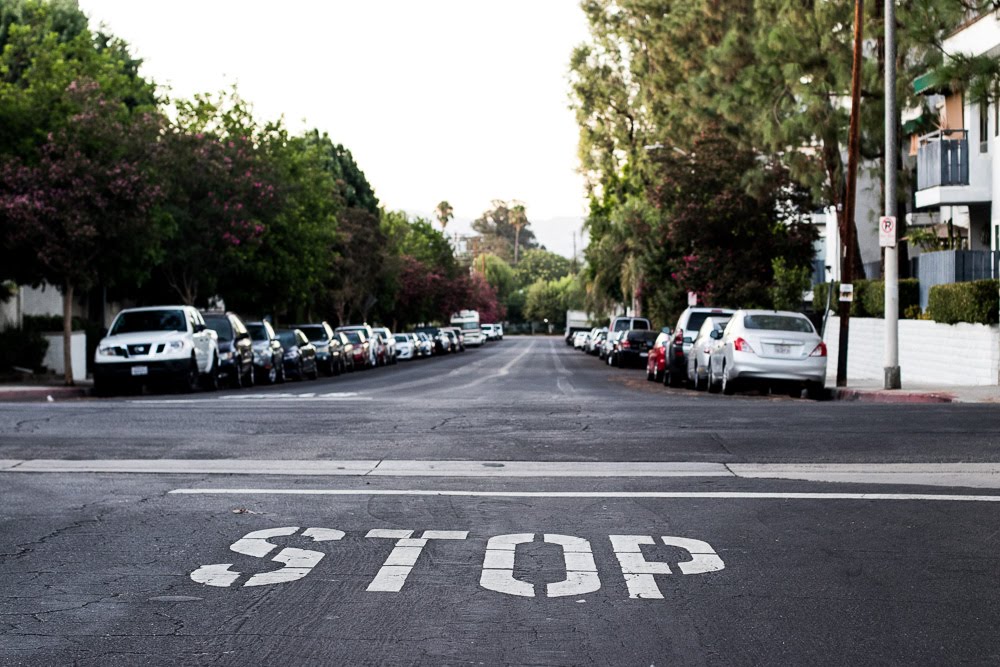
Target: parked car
[
  {"x": 367, "y": 336},
  {"x": 457, "y": 338},
  {"x": 268, "y": 354},
  {"x": 779, "y": 349},
  {"x": 610, "y": 345},
  {"x": 426, "y": 344},
  {"x": 390, "y": 343},
  {"x": 499, "y": 330},
  {"x": 597, "y": 336},
  {"x": 685, "y": 330},
  {"x": 300, "y": 354},
  {"x": 633, "y": 348},
  {"x": 625, "y": 323},
  {"x": 328, "y": 352},
  {"x": 169, "y": 344},
  {"x": 360, "y": 356},
  {"x": 346, "y": 351},
  {"x": 406, "y": 346},
  {"x": 453, "y": 342},
  {"x": 701, "y": 350},
  {"x": 579, "y": 340},
  {"x": 490, "y": 331},
  {"x": 235, "y": 348},
  {"x": 656, "y": 362},
  {"x": 442, "y": 341}
]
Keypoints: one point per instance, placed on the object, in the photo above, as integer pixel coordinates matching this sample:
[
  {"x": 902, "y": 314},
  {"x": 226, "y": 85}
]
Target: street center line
[{"x": 676, "y": 495}]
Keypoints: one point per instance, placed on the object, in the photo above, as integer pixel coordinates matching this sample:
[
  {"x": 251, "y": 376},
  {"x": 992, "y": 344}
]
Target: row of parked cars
[
  {"x": 184, "y": 347},
  {"x": 718, "y": 350}
]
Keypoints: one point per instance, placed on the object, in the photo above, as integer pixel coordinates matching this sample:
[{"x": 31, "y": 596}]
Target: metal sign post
[{"x": 887, "y": 225}]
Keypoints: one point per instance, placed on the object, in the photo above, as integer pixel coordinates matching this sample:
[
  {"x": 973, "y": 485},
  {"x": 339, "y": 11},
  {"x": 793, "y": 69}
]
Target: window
[
  {"x": 984, "y": 126},
  {"x": 778, "y": 323}
]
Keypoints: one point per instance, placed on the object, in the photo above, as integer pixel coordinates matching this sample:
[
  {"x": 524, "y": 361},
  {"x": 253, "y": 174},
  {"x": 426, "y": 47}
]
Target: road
[{"x": 517, "y": 504}]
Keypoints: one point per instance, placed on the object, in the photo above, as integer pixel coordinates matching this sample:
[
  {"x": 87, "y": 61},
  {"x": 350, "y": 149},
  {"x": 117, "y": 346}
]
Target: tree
[
  {"x": 498, "y": 232},
  {"x": 544, "y": 301},
  {"x": 444, "y": 213},
  {"x": 518, "y": 219},
  {"x": 82, "y": 212},
  {"x": 541, "y": 264},
  {"x": 498, "y": 274}
]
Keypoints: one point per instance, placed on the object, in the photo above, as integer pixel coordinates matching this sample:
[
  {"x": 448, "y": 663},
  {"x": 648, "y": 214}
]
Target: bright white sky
[{"x": 463, "y": 100}]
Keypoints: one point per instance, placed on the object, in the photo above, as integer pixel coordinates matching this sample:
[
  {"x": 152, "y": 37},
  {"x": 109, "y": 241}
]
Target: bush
[
  {"x": 24, "y": 348},
  {"x": 869, "y": 297},
  {"x": 974, "y": 302}
]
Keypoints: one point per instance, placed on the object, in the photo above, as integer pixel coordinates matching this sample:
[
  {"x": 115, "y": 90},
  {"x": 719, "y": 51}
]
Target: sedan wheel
[{"x": 713, "y": 385}]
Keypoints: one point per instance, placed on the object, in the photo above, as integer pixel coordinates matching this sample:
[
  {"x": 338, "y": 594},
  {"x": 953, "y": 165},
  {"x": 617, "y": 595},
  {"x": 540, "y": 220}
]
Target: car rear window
[
  {"x": 257, "y": 332},
  {"x": 353, "y": 336},
  {"x": 287, "y": 339},
  {"x": 648, "y": 336},
  {"x": 314, "y": 333},
  {"x": 400, "y": 338},
  {"x": 149, "y": 320},
  {"x": 778, "y": 323},
  {"x": 221, "y": 325}
]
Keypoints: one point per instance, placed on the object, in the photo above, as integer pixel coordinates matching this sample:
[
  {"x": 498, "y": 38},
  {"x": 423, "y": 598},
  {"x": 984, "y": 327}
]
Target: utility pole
[
  {"x": 893, "y": 378},
  {"x": 853, "y": 150}
]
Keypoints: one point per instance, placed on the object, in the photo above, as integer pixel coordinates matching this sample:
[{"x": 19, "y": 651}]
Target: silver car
[
  {"x": 701, "y": 350},
  {"x": 778, "y": 348}
]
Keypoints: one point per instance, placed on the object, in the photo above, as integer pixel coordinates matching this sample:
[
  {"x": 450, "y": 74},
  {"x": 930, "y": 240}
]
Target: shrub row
[
  {"x": 24, "y": 348},
  {"x": 975, "y": 302},
  {"x": 869, "y": 297}
]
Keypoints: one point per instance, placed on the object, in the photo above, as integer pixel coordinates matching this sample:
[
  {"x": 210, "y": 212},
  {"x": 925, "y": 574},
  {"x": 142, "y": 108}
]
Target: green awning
[{"x": 928, "y": 83}]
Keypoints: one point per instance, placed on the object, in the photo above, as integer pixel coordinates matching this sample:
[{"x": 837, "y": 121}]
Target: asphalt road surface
[{"x": 517, "y": 504}]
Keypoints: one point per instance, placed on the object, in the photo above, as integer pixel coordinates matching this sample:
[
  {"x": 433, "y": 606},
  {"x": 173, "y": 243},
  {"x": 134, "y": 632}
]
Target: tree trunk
[
  {"x": 517, "y": 240},
  {"x": 68, "y": 334}
]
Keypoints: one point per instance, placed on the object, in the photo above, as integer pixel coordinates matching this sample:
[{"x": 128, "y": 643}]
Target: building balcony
[{"x": 947, "y": 174}]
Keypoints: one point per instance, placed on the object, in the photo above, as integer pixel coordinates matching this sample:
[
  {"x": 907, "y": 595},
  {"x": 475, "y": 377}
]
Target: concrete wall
[
  {"x": 929, "y": 352},
  {"x": 54, "y": 356}
]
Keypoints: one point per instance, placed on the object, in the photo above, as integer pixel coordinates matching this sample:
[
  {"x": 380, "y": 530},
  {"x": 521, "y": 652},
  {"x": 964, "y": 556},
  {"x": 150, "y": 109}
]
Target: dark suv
[
  {"x": 329, "y": 358},
  {"x": 634, "y": 347},
  {"x": 235, "y": 347}
]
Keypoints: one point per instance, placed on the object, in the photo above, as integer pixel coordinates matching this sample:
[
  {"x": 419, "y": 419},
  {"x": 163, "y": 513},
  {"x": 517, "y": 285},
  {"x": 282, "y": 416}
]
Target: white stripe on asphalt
[
  {"x": 972, "y": 475},
  {"x": 371, "y": 467},
  {"x": 677, "y": 495}
]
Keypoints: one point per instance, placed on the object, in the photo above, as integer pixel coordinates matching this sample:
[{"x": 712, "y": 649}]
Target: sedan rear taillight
[
  {"x": 625, "y": 345},
  {"x": 740, "y": 345},
  {"x": 820, "y": 350},
  {"x": 679, "y": 337}
]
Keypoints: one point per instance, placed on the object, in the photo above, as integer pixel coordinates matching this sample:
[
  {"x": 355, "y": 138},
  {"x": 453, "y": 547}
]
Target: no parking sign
[{"x": 887, "y": 231}]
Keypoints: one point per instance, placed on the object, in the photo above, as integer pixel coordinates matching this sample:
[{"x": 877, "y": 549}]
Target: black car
[
  {"x": 300, "y": 354},
  {"x": 268, "y": 354},
  {"x": 633, "y": 348},
  {"x": 235, "y": 348},
  {"x": 329, "y": 350},
  {"x": 346, "y": 351}
]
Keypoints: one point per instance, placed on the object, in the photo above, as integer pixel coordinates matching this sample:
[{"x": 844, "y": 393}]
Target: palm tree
[
  {"x": 518, "y": 218},
  {"x": 444, "y": 213}
]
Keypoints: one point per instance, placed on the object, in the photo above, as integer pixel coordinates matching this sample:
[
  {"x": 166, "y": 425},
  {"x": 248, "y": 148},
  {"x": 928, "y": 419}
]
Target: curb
[
  {"x": 877, "y": 396},
  {"x": 43, "y": 394}
]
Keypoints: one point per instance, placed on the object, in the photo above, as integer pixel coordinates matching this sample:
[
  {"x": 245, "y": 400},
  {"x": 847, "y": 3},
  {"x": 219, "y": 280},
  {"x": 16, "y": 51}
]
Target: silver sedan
[{"x": 776, "y": 348}]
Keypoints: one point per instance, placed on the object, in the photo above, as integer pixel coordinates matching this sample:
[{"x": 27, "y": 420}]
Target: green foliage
[
  {"x": 789, "y": 285},
  {"x": 869, "y": 298},
  {"x": 544, "y": 301},
  {"x": 974, "y": 302},
  {"x": 24, "y": 348},
  {"x": 499, "y": 274},
  {"x": 538, "y": 264},
  {"x": 498, "y": 231}
]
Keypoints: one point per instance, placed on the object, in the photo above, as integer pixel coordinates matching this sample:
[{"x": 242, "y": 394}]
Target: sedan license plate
[
  {"x": 644, "y": 354},
  {"x": 140, "y": 370},
  {"x": 783, "y": 349}
]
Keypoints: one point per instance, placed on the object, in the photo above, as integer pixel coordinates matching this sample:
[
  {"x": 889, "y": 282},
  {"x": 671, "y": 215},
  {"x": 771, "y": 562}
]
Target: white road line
[
  {"x": 245, "y": 398},
  {"x": 676, "y": 495},
  {"x": 385, "y": 468}
]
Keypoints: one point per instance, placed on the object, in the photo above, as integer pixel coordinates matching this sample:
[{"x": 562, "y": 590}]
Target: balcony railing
[{"x": 943, "y": 159}]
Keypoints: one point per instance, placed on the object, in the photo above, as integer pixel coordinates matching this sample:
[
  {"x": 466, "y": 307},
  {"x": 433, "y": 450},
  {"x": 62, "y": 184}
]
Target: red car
[
  {"x": 362, "y": 357},
  {"x": 656, "y": 362}
]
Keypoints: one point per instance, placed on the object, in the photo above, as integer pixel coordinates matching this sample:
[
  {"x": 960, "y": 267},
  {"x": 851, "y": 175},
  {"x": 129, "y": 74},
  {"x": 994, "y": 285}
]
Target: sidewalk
[
  {"x": 872, "y": 391},
  {"x": 18, "y": 391}
]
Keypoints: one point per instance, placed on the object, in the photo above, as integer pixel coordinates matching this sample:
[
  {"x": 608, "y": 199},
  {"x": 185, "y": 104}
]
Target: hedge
[
  {"x": 23, "y": 348},
  {"x": 975, "y": 302},
  {"x": 869, "y": 297}
]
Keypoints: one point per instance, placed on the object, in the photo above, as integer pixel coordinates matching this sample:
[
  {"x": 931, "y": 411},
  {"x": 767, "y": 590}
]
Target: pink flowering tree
[{"x": 80, "y": 213}]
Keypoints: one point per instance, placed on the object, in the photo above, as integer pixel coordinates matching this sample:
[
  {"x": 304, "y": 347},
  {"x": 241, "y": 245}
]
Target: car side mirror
[
  {"x": 198, "y": 328},
  {"x": 715, "y": 334}
]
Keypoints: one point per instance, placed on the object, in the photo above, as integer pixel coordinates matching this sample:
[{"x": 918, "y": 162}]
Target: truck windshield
[
  {"x": 467, "y": 326},
  {"x": 148, "y": 320}
]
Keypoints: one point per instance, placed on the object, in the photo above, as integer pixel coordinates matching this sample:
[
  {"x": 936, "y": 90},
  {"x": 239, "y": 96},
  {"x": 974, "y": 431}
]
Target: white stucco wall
[{"x": 929, "y": 352}]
